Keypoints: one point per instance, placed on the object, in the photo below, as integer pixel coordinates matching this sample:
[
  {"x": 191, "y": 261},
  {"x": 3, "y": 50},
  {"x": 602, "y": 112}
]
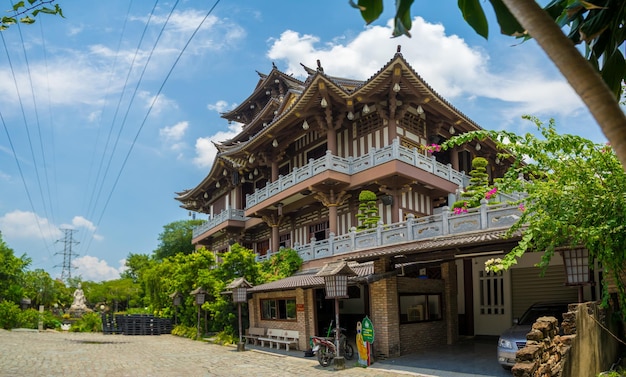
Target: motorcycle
[{"x": 326, "y": 350}]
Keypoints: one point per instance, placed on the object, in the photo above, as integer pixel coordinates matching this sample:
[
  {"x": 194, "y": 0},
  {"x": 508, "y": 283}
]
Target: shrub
[
  {"x": 29, "y": 319},
  {"x": 9, "y": 315},
  {"x": 185, "y": 331},
  {"x": 226, "y": 337},
  {"x": 89, "y": 322}
]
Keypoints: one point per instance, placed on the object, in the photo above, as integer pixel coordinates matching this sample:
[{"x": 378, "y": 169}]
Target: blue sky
[{"x": 105, "y": 117}]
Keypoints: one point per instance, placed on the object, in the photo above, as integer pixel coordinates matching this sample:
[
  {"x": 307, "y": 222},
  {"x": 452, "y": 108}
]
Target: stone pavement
[{"x": 50, "y": 353}]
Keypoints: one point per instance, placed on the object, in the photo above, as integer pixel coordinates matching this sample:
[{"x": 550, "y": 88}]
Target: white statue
[{"x": 79, "y": 299}]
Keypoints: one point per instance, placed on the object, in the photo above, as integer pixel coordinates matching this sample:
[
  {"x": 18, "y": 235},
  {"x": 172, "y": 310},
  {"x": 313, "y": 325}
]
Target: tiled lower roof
[
  {"x": 456, "y": 241},
  {"x": 307, "y": 279}
]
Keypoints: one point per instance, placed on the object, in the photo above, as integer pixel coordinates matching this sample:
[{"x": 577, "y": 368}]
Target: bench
[
  {"x": 278, "y": 337},
  {"x": 253, "y": 334}
]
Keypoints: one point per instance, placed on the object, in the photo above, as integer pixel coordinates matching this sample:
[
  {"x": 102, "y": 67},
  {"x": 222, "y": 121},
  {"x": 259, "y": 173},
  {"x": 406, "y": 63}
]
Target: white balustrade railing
[
  {"x": 350, "y": 166},
  {"x": 413, "y": 229},
  {"x": 225, "y": 215}
]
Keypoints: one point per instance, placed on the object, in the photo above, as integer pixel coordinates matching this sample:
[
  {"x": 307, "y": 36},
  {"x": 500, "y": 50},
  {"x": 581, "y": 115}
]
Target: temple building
[{"x": 292, "y": 178}]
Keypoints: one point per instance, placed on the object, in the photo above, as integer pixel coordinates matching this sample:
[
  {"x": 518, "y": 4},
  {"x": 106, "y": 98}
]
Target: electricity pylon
[{"x": 68, "y": 254}]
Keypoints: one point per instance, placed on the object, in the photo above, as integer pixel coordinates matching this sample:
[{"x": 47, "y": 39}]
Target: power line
[{"x": 143, "y": 123}]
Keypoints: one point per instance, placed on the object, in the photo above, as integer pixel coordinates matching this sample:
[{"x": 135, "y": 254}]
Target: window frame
[
  {"x": 278, "y": 304},
  {"x": 437, "y": 298}
]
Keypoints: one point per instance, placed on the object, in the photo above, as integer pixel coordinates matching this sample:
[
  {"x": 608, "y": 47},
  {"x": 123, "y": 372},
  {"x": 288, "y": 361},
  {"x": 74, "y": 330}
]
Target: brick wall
[
  {"x": 385, "y": 318},
  {"x": 305, "y": 320},
  {"x": 415, "y": 337}
]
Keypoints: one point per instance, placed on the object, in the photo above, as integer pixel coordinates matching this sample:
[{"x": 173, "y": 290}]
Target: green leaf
[
  {"x": 508, "y": 23},
  {"x": 370, "y": 9},
  {"x": 475, "y": 16},
  {"x": 27, "y": 20},
  {"x": 18, "y": 5},
  {"x": 47, "y": 10},
  {"x": 402, "y": 20},
  {"x": 613, "y": 72},
  {"x": 596, "y": 23}
]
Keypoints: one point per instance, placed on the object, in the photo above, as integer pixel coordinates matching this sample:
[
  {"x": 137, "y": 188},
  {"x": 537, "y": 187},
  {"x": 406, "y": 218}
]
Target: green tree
[
  {"x": 368, "y": 210},
  {"x": 117, "y": 295},
  {"x": 182, "y": 273},
  {"x": 280, "y": 265},
  {"x": 596, "y": 78},
  {"x": 176, "y": 238},
  {"x": 576, "y": 196},
  {"x": 40, "y": 288},
  {"x": 26, "y": 13},
  {"x": 135, "y": 264},
  {"x": 238, "y": 262},
  {"x": 12, "y": 270}
]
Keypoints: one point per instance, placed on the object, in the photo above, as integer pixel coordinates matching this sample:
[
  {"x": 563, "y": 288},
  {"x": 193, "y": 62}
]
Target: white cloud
[
  {"x": 220, "y": 106},
  {"x": 172, "y": 136},
  {"x": 157, "y": 105},
  {"x": 95, "y": 269},
  {"x": 25, "y": 225},
  {"x": 446, "y": 62},
  {"x": 81, "y": 222},
  {"x": 215, "y": 34},
  {"x": 175, "y": 132},
  {"x": 205, "y": 150}
]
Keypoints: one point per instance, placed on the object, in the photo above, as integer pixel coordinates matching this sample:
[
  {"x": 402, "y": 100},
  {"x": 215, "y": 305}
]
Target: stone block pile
[{"x": 544, "y": 351}]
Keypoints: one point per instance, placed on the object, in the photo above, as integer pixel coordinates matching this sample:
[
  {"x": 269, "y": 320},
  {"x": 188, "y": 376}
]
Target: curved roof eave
[
  {"x": 259, "y": 90},
  {"x": 416, "y": 80},
  {"x": 301, "y": 102}
]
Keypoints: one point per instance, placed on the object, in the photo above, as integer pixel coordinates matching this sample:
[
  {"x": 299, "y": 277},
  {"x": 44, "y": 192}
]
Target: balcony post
[
  {"x": 312, "y": 245},
  {"x": 353, "y": 238},
  {"x": 410, "y": 218},
  {"x": 445, "y": 213},
  {"x": 379, "y": 233},
  {"x": 331, "y": 243},
  {"x": 395, "y": 147},
  {"x": 484, "y": 223}
]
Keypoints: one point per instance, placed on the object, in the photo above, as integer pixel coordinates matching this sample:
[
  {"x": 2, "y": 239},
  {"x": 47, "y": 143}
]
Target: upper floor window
[
  {"x": 414, "y": 124},
  {"x": 285, "y": 240},
  {"x": 465, "y": 161},
  {"x": 284, "y": 169},
  {"x": 319, "y": 231},
  {"x": 316, "y": 152}
]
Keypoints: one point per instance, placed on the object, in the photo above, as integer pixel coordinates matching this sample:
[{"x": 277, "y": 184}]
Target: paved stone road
[{"x": 25, "y": 353}]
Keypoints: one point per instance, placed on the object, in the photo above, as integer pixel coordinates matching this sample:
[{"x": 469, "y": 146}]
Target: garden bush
[{"x": 9, "y": 315}]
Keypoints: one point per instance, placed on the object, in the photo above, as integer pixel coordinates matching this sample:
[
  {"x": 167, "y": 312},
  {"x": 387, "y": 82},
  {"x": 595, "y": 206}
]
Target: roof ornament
[
  {"x": 399, "y": 49},
  {"x": 274, "y": 65},
  {"x": 319, "y": 66}
]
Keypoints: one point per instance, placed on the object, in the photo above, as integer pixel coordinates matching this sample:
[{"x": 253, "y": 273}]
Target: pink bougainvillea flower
[
  {"x": 521, "y": 207},
  {"x": 491, "y": 193}
]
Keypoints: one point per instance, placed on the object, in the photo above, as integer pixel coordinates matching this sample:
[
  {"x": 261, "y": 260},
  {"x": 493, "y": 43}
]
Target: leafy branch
[{"x": 22, "y": 12}]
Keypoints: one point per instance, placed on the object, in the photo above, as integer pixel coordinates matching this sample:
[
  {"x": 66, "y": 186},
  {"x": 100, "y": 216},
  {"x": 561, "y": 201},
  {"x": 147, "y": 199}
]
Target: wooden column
[
  {"x": 332, "y": 201},
  {"x": 274, "y": 176},
  {"x": 274, "y": 221}
]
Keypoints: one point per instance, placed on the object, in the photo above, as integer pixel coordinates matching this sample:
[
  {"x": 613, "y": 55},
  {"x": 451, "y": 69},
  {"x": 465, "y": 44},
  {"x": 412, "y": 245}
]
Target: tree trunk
[{"x": 582, "y": 77}]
